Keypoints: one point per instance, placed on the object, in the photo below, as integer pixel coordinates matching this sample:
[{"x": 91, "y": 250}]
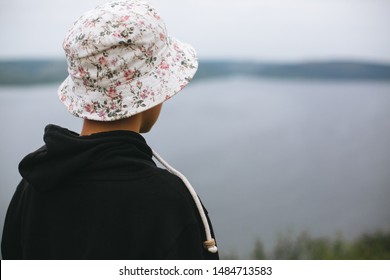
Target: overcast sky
[{"x": 263, "y": 30}]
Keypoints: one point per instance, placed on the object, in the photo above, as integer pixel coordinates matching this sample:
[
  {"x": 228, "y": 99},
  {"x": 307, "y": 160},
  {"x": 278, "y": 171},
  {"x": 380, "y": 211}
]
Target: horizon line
[{"x": 232, "y": 59}]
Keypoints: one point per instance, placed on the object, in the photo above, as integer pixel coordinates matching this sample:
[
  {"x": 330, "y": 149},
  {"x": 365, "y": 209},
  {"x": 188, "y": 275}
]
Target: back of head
[{"x": 121, "y": 61}]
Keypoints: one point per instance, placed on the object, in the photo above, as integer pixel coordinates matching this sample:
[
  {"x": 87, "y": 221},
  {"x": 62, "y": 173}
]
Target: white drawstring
[{"x": 209, "y": 244}]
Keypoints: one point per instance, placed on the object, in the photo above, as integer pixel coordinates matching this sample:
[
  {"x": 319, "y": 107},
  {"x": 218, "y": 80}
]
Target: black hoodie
[{"x": 100, "y": 197}]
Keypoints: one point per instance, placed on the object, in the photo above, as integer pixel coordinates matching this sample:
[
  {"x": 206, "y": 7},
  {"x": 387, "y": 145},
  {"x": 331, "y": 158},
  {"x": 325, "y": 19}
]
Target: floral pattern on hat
[{"x": 121, "y": 62}]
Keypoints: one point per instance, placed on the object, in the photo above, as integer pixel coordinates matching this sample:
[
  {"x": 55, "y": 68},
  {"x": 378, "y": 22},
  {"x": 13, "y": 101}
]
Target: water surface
[{"x": 266, "y": 156}]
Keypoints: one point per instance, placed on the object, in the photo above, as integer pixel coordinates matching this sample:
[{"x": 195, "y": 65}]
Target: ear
[{"x": 149, "y": 118}]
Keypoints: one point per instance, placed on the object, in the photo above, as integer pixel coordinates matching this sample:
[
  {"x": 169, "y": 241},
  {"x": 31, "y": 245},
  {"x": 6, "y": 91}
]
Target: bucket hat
[{"x": 121, "y": 61}]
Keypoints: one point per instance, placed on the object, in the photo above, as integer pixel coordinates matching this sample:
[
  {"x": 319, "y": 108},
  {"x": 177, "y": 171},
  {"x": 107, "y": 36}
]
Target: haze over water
[{"x": 266, "y": 156}]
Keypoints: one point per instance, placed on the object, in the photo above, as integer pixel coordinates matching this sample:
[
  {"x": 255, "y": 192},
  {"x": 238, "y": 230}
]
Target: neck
[{"x": 91, "y": 127}]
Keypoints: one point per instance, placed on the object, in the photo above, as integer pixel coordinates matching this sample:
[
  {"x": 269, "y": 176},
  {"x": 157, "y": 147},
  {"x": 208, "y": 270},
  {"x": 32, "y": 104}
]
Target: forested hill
[{"x": 26, "y": 72}]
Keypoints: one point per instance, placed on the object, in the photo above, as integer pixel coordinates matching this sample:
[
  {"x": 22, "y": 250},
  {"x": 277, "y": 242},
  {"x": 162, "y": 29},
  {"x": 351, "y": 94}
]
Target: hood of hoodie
[{"x": 67, "y": 154}]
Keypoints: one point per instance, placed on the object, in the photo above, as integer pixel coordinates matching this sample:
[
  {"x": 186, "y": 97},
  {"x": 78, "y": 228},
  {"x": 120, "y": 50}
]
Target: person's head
[
  {"x": 122, "y": 63},
  {"x": 141, "y": 123}
]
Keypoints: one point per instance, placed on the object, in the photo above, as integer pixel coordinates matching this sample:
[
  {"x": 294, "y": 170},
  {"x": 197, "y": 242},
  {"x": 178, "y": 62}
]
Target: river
[{"x": 266, "y": 156}]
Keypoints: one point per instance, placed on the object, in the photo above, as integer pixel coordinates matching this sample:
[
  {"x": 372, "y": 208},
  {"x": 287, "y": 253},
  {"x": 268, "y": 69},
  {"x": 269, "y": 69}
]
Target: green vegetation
[{"x": 373, "y": 246}]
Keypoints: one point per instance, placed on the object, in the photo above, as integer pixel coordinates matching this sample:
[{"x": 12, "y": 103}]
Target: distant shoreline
[{"x": 46, "y": 71}]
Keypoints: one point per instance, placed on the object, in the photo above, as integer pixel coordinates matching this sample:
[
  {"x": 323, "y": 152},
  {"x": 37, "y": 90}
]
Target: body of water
[{"x": 266, "y": 156}]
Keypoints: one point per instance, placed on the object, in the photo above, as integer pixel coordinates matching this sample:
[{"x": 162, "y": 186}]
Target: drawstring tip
[
  {"x": 213, "y": 249},
  {"x": 210, "y": 246}
]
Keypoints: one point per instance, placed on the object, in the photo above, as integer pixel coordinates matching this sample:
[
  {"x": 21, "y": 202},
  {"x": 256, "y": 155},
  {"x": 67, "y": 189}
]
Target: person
[{"x": 100, "y": 195}]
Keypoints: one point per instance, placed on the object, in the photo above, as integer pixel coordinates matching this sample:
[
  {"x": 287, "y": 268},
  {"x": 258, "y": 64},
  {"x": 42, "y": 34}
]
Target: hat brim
[{"x": 127, "y": 98}]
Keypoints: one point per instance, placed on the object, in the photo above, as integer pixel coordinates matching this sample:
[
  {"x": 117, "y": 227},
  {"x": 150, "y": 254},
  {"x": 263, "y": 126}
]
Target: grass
[{"x": 370, "y": 246}]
